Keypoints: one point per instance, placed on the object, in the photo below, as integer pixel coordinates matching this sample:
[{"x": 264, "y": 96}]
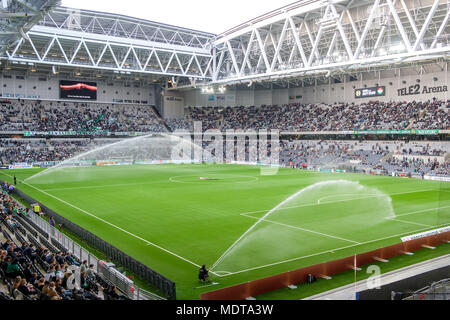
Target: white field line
[
  {"x": 209, "y": 285},
  {"x": 331, "y": 236},
  {"x": 105, "y": 186},
  {"x": 350, "y": 194},
  {"x": 223, "y": 272},
  {"x": 235, "y": 176},
  {"x": 110, "y": 224},
  {"x": 303, "y": 229},
  {"x": 277, "y": 263},
  {"x": 420, "y": 211},
  {"x": 337, "y": 201},
  {"x": 410, "y": 222},
  {"x": 328, "y": 251},
  {"x": 141, "y": 183}
]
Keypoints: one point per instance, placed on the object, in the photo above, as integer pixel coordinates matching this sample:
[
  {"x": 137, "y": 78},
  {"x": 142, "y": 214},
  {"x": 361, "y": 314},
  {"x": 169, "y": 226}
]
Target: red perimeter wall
[{"x": 257, "y": 287}]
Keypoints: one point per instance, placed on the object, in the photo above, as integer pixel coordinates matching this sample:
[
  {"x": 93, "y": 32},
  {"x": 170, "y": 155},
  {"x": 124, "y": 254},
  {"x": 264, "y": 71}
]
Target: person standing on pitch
[
  {"x": 203, "y": 274},
  {"x": 15, "y": 180}
]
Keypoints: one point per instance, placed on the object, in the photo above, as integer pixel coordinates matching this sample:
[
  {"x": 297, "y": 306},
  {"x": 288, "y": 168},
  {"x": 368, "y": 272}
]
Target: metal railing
[
  {"x": 114, "y": 276},
  {"x": 437, "y": 291}
]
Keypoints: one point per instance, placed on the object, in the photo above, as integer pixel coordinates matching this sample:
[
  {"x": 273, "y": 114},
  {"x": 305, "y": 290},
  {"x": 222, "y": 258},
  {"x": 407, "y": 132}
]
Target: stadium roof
[
  {"x": 304, "y": 40},
  {"x": 17, "y": 17},
  {"x": 213, "y": 16}
]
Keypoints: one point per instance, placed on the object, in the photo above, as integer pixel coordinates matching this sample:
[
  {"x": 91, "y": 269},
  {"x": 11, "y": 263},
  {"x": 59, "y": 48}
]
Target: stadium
[{"x": 303, "y": 154}]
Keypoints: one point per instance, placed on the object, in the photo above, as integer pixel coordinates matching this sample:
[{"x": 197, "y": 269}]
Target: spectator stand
[{"x": 41, "y": 233}]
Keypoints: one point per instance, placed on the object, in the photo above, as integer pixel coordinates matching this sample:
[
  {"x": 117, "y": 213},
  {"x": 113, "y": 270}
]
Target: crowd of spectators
[
  {"x": 65, "y": 116},
  {"x": 423, "y": 150},
  {"x": 414, "y": 156},
  {"x": 330, "y": 153},
  {"x": 40, "y": 150},
  {"x": 320, "y": 117},
  {"x": 178, "y": 124},
  {"x": 26, "y": 115},
  {"x": 385, "y": 156},
  {"x": 32, "y": 272},
  {"x": 417, "y": 165}
]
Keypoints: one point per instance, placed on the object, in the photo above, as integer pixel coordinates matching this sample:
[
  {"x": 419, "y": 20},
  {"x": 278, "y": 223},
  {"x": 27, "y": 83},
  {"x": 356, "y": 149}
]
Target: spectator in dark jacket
[
  {"x": 13, "y": 269},
  {"x": 25, "y": 289},
  {"x": 30, "y": 253},
  {"x": 59, "y": 258},
  {"x": 70, "y": 260},
  {"x": 34, "y": 279}
]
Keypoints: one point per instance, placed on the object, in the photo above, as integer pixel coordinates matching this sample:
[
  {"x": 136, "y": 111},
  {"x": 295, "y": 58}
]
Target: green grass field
[{"x": 168, "y": 218}]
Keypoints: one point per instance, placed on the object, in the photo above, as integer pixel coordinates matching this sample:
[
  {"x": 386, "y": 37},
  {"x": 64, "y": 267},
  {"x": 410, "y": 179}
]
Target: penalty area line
[
  {"x": 303, "y": 229},
  {"x": 420, "y": 211},
  {"x": 109, "y": 223},
  {"x": 409, "y": 222},
  {"x": 337, "y": 201},
  {"x": 209, "y": 285},
  {"x": 331, "y": 251}
]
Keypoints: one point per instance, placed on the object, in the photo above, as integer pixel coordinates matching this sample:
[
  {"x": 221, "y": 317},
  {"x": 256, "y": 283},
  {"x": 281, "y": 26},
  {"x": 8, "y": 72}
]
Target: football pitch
[{"x": 243, "y": 224}]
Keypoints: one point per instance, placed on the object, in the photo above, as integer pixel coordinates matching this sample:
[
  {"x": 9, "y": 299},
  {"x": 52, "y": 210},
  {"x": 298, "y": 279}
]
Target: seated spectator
[
  {"x": 26, "y": 289},
  {"x": 40, "y": 284},
  {"x": 46, "y": 288},
  {"x": 41, "y": 252},
  {"x": 65, "y": 294},
  {"x": 90, "y": 272},
  {"x": 5, "y": 263},
  {"x": 3, "y": 256},
  {"x": 59, "y": 258},
  {"x": 70, "y": 260},
  {"x": 44, "y": 254},
  {"x": 51, "y": 258},
  {"x": 27, "y": 271},
  {"x": 59, "y": 273},
  {"x": 13, "y": 269},
  {"x": 52, "y": 294},
  {"x": 50, "y": 273},
  {"x": 17, "y": 282},
  {"x": 65, "y": 281},
  {"x": 11, "y": 222},
  {"x": 34, "y": 279},
  {"x": 113, "y": 294}
]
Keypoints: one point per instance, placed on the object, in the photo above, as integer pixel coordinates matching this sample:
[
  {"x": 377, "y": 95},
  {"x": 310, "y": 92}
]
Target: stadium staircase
[
  {"x": 161, "y": 120},
  {"x": 17, "y": 237},
  {"x": 387, "y": 157}
]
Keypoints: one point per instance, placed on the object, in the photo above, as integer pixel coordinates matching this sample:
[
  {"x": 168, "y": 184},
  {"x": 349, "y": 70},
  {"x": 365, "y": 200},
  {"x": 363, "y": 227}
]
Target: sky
[{"x": 213, "y": 16}]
